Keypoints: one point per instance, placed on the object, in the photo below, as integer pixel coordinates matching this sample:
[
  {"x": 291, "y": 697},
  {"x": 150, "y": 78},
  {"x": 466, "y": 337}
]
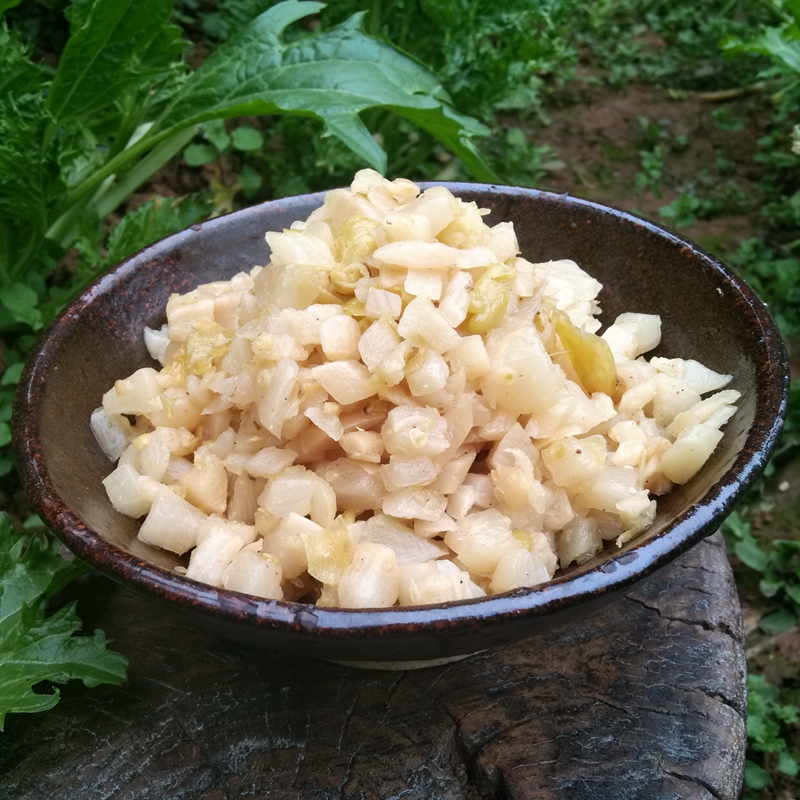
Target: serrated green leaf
[
  {"x": 34, "y": 648},
  {"x": 787, "y": 713},
  {"x": 30, "y": 567},
  {"x": 29, "y": 181},
  {"x": 109, "y": 53},
  {"x": 246, "y": 138},
  {"x": 333, "y": 76},
  {"x": 19, "y": 75},
  {"x": 6, "y": 4},
  {"x": 153, "y": 220}
]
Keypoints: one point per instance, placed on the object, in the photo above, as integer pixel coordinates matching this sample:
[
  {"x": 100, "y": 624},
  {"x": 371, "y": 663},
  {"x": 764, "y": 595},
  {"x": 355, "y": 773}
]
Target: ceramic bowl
[{"x": 708, "y": 314}]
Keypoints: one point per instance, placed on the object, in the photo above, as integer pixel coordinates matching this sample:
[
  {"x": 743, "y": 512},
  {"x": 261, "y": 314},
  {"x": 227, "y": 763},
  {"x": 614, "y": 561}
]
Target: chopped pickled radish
[{"x": 399, "y": 408}]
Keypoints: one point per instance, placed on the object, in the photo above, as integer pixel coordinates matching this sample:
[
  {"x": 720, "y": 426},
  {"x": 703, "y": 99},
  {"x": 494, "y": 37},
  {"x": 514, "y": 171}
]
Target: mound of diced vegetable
[{"x": 399, "y": 408}]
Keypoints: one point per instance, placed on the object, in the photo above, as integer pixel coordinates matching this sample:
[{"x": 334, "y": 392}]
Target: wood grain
[{"x": 645, "y": 700}]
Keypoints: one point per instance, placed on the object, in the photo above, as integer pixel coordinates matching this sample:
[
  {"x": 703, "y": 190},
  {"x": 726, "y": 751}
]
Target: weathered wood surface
[{"x": 646, "y": 700}]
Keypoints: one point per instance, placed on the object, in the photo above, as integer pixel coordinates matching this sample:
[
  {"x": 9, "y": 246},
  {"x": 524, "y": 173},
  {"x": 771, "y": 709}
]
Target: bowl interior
[{"x": 707, "y": 314}]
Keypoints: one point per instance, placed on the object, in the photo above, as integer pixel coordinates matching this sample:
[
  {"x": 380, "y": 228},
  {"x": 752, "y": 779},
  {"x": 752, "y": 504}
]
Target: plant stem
[
  {"x": 374, "y": 18},
  {"x": 61, "y": 230},
  {"x": 150, "y": 164}
]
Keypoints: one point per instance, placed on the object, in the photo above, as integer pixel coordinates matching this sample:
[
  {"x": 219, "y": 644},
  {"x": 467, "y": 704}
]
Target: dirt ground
[{"x": 601, "y": 136}]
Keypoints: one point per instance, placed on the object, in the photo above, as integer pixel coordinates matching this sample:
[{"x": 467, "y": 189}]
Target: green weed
[{"x": 769, "y": 721}]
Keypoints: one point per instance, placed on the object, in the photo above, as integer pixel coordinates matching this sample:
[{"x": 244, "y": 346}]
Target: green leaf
[
  {"x": 738, "y": 526},
  {"x": 195, "y": 155},
  {"x": 750, "y": 553},
  {"x": 29, "y": 178},
  {"x": 755, "y": 777},
  {"x": 6, "y": 4},
  {"x": 787, "y": 713},
  {"x": 30, "y": 568},
  {"x": 779, "y": 621},
  {"x": 769, "y": 586},
  {"x": 793, "y": 592},
  {"x": 12, "y": 374},
  {"x": 333, "y": 76},
  {"x": 22, "y": 302},
  {"x": 215, "y": 132},
  {"x": 247, "y": 138},
  {"x": 153, "y": 220},
  {"x": 250, "y": 179},
  {"x": 785, "y": 553},
  {"x": 787, "y": 765},
  {"x": 109, "y": 53},
  {"x": 34, "y": 648},
  {"x": 774, "y": 42},
  {"x": 5, "y": 434}
]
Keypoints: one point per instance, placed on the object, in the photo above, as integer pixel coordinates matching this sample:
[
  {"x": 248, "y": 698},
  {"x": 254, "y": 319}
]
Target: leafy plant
[
  {"x": 683, "y": 211},
  {"x": 768, "y": 720},
  {"x": 651, "y": 156},
  {"x": 493, "y": 59},
  {"x": 153, "y": 220},
  {"x": 524, "y": 162},
  {"x": 780, "y": 42},
  {"x": 706, "y": 196},
  {"x": 776, "y": 278},
  {"x": 489, "y": 56},
  {"x": 76, "y": 144},
  {"x": 675, "y": 45},
  {"x": 778, "y": 565},
  {"x": 36, "y": 647}
]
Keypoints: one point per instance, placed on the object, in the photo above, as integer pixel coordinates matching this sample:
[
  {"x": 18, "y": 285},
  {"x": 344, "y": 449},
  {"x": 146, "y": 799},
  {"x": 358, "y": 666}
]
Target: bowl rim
[{"x": 448, "y": 619}]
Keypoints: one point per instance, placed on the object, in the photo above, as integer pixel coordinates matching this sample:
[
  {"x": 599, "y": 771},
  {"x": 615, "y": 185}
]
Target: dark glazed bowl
[{"x": 708, "y": 314}]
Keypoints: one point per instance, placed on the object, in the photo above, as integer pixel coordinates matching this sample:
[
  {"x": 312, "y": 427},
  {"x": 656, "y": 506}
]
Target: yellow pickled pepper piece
[
  {"x": 590, "y": 356},
  {"x": 489, "y": 299}
]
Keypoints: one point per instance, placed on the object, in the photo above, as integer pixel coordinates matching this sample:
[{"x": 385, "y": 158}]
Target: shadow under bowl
[{"x": 708, "y": 314}]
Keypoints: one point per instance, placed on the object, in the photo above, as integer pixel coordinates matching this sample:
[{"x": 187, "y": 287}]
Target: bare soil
[{"x": 601, "y": 137}]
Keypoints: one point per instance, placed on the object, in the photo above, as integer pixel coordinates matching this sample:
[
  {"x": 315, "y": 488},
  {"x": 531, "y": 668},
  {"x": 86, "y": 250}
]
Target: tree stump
[{"x": 646, "y": 699}]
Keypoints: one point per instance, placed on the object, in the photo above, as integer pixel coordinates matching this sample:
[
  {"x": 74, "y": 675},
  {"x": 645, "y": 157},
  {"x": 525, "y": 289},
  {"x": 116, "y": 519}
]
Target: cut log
[{"x": 646, "y": 699}]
